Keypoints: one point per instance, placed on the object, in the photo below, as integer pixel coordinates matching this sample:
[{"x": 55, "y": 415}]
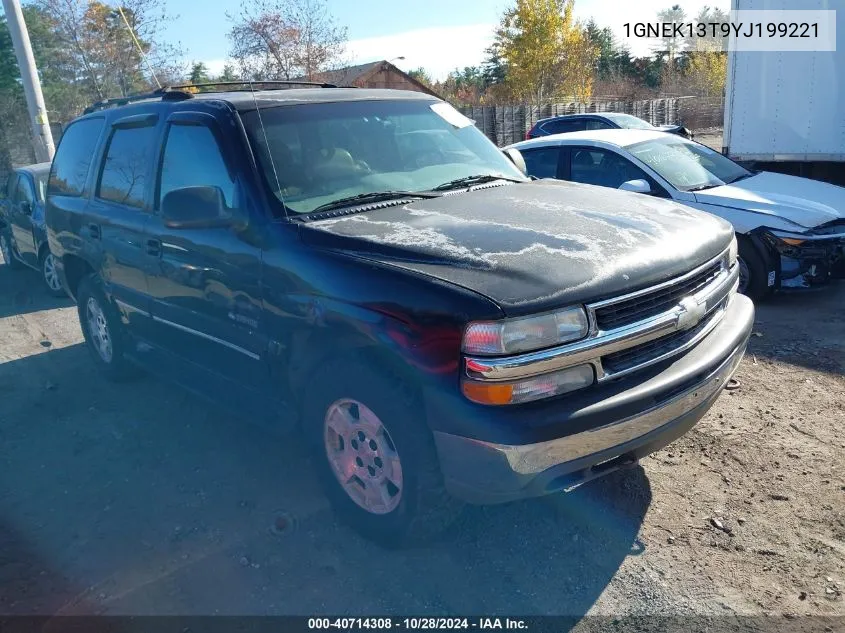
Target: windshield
[
  {"x": 629, "y": 121},
  {"x": 330, "y": 151},
  {"x": 687, "y": 166}
]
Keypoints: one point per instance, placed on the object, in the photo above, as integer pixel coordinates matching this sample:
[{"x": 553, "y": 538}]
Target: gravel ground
[{"x": 138, "y": 498}]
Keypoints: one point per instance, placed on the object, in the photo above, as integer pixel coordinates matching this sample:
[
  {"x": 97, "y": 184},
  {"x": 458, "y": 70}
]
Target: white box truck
[{"x": 785, "y": 111}]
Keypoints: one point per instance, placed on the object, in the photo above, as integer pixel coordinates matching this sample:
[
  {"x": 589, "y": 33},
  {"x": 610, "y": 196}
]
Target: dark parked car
[
  {"x": 23, "y": 236},
  {"x": 598, "y": 121},
  {"x": 366, "y": 265}
]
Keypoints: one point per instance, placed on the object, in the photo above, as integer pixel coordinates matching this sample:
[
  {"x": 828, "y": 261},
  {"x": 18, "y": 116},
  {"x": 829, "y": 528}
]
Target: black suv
[{"x": 366, "y": 265}]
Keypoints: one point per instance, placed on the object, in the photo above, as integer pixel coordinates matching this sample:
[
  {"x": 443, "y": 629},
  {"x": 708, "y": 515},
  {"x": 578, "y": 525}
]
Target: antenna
[
  {"x": 138, "y": 44},
  {"x": 267, "y": 143}
]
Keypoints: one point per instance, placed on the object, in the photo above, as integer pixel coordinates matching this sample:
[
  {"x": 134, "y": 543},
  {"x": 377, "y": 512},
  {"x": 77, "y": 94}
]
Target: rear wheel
[
  {"x": 104, "y": 333},
  {"x": 753, "y": 273},
  {"x": 6, "y": 250},
  {"x": 376, "y": 456},
  {"x": 50, "y": 274}
]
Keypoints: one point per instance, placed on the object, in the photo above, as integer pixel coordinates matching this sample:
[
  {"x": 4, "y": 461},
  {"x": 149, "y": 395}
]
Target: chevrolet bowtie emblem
[{"x": 691, "y": 313}]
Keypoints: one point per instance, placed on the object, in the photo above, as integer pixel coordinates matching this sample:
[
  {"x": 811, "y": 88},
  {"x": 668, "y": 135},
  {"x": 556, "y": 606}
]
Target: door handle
[
  {"x": 94, "y": 231},
  {"x": 154, "y": 248}
]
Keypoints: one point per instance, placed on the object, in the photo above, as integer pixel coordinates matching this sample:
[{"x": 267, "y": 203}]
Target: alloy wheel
[
  {"x": 51, "y": 275},
  {"x": 98, "y": 329},
  {"x": 363, "y": 456}
]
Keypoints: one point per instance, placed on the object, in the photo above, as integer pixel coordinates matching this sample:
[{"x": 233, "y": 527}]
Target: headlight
[
  {"x": 528, "y": 389},
  {"x": 733, "y": 253},
  {"x": 512, "y": 336}
]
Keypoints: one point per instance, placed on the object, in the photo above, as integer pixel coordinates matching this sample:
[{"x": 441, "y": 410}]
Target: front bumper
[
  {"x": 814, "y": 261},
  {"x": 488, "y": 472}
]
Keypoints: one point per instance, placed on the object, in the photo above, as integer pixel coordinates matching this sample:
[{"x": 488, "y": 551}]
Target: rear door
[
  {"x": 118, "y": 212},
  {"x": 545, "y": 162},
  {"x": 20, "y": 216},
  {"x": 205, "y": 282}
]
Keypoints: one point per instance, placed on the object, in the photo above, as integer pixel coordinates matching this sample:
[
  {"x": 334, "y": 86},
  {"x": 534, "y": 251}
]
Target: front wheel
[
  {"x": 375, "y": 455},
  {"x": 6, "y": 250},
  {"x": 102, "y": 329},
  {"x": 51, "y": 275},
  {"x": 753, "y": 273}
]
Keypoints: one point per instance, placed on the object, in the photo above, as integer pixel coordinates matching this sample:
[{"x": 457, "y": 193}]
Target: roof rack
[
  {"x": 187, "y": 91},
  {"x": 166, "y": 93},
  {"x": 273, "y": 84}
]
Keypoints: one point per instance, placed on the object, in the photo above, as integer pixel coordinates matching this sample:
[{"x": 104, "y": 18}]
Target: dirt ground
[{"x": 138, "y": 498}]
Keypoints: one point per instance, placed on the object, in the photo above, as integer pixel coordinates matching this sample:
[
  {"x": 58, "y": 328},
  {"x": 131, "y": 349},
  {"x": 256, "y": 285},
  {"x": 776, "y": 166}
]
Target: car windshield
[
  {"x": 315, "y": 155},
  {"x": 686, "y": 165},
  {"x": 629, "y": 121}
]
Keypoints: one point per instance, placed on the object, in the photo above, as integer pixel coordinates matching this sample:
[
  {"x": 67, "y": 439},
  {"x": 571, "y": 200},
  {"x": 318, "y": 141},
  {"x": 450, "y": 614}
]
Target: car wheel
[
  {"x": 103, "y": 332},
  {"x": 753, "y": 277},
  {"x": 376, "y": 456},
  {"x": 6, "y": 250},
  {"x": 51, "y": 275}
]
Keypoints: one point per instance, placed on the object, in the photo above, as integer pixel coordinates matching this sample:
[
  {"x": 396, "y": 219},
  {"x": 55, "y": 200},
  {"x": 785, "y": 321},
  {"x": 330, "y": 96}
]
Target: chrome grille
[
  {"x": 644, "y": 306},
  {"x": 648, "y": 352}
]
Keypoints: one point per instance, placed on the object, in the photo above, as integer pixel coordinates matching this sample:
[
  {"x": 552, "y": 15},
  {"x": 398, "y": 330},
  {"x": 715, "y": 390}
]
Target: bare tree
[
  {"x": 104, "y": 56},
  {"x": 285, "y": 39}
]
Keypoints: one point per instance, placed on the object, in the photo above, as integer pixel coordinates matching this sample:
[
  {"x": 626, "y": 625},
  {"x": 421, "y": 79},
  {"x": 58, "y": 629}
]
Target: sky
[{"x": 438, "y": 35}]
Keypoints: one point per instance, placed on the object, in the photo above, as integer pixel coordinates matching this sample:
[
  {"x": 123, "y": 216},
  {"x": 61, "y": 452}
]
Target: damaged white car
[{"x": 791, "y": 230}]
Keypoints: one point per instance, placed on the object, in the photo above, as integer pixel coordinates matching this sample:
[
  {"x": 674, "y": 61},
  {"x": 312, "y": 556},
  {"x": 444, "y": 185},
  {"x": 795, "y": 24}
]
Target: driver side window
[
  {"x": 593, "y": 166},
  {"x": 23, "y": 191},
  {"x": 192, "y": 158}
]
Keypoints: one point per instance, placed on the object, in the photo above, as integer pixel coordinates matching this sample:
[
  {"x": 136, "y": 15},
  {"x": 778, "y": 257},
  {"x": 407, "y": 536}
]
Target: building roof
[{"x": 358, "y": 76}]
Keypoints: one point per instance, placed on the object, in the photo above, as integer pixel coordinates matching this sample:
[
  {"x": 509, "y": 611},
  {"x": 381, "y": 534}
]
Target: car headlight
[
  {"x": 525, "y": 334},
  {"x": 733, "y": 252}
]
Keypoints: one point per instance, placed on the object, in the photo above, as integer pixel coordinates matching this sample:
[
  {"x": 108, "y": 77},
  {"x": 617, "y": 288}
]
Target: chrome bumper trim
[
  {"x": 531, "y": 459},
  {"x": 709, "y": 302}
]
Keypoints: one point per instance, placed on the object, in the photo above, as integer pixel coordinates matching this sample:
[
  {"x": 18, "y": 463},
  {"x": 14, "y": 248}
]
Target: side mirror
[
  {"x": 195, "y": 208},
  {"x": 640, "y": 185},
  {"x": 25, "y": 206},
  {"x": 515, "y": 156}
]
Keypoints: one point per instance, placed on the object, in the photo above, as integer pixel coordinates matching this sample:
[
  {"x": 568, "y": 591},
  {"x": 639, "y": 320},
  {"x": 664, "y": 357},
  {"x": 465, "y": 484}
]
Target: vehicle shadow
[
  {"x": 781, "y": 331},
  {"x": 158, "y": 503},
  {"x": 22, "y": 291}
]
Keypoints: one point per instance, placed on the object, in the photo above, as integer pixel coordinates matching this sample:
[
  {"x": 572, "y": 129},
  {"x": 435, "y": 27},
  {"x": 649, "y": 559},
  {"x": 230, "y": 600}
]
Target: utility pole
[{"x": 42, "y": 136}]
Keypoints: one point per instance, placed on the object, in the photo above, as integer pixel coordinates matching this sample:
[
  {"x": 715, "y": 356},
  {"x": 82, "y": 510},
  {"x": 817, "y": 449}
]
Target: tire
[
  {"x": 96, "y": 313},
  {"x": 6, "y": 249},
  {"x": 753, "y": 277},
  {"x": 49, "y": 274},
  {"x": 415, "y": 506}
]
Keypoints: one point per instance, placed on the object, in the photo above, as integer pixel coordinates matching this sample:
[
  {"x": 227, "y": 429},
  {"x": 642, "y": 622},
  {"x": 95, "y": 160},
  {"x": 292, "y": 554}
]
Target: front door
[
  {"x": 204, "y": 283},
  {"x": 21, "y": 209}
]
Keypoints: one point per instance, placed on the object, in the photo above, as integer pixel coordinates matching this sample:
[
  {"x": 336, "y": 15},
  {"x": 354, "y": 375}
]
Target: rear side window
[
  {"x": 126, "y": 166},
  {"x": 564, "y": 125},
  {"x": 73, "y": 158}
]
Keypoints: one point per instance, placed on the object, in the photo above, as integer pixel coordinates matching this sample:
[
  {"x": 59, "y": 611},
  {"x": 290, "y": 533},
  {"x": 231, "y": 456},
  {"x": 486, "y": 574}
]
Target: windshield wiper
[
  {"x": 468, "y": 181},
  {"x": 703, "y": 187},
  {"x": 373, "y": 196},
  {"x": 742, "y": 177}
]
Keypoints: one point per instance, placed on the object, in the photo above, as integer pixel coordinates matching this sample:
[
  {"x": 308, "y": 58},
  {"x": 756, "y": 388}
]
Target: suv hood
[
  {"x": 801, "y": 201},
  {"x": 533, "y": 246}
]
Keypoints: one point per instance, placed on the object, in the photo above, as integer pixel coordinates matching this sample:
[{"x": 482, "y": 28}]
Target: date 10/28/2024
[{"x": 422, "y": 623}]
